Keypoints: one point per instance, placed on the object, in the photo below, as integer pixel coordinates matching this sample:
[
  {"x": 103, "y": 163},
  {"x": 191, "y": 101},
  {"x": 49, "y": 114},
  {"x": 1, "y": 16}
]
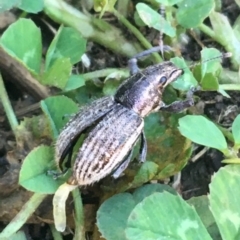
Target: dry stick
[{"x": 21, "y": 76}]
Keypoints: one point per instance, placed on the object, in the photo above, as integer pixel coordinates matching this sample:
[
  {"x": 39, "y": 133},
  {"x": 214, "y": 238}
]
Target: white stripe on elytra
[
  {"x": 90, "y": 148},
  {"x": 106, "y": 137},
  {"x": 80, "y": 121},
  {"x": 116, "y": 158}
]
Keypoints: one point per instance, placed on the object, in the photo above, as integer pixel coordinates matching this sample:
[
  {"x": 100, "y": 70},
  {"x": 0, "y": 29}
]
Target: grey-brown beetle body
[{"x": 117, "y": 124}]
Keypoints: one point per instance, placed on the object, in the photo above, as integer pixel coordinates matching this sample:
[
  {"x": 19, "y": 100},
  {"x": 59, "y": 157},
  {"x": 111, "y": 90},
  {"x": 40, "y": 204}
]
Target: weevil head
[
  {"x": 142, "y": 92},
  {"x": 161, "y": 75}
]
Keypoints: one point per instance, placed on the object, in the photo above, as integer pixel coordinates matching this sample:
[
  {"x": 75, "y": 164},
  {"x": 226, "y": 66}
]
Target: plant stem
[
  {"x": 122, "y": 7},
  {"x": 231, "y": 161},
  {"x": 27, "y": 210},
  {"x": 79, "y": 215},
  {"x": 226, "y": 133},
  {"x": 136, "y": 33},
  {"x": 91, "y": 28},
  {"x": 230, "y": 86},
  {"x": 7, "y": 106},
  {"x": 229, "y": 77},
  {"x": 56, "y": 235},
  {"x": 207, "y": 30}
]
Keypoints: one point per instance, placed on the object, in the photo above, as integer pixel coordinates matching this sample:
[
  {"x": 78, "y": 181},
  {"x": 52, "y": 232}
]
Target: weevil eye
[{"x": 162, "y": 80}]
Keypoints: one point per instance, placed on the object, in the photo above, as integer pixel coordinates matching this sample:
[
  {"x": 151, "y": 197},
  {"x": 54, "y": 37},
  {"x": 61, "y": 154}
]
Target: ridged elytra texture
[
  {"x": 117, "y": 123},
  {"x": 80, "y": 122},
  {"x": 107, "y": 144}
]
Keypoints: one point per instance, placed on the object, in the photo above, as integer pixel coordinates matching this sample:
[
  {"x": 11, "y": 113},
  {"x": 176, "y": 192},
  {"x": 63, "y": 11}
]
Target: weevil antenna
[
  {"x": 222, "y": 56},
  {"x": 132, "y": 62}
]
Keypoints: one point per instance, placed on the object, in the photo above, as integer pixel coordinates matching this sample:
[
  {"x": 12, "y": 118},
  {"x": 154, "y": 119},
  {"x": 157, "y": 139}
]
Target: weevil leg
[
  {"x": 120, "y": 169},
  {"x": 132, "y": 63},
  {"x": 143, "y": 148},
  {"x": 179, "y": 106},
  {"x": 55, "y": 175},
  {"x": 142, "y": 157}
]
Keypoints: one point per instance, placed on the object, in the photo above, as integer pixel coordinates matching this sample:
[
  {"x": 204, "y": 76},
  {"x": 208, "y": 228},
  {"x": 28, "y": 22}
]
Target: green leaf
[
  {"x": 187, "y": 80},
  {"x": 165, "y": 145},
  {"x": 154, "y": 19},
  {"x": 168, "y": 2},
  {"x": 88, "y": 93},
  {"x": 137, "y": 19},
  {"x": 165, "y": 216},
  {"x": 211, "y": 58},
  {"x": 33, "y": 174},
  {"x": 209, "y": 82},
  {"x": 141, "y": 193},
  {"x": 237, "y": 2},
  {"x": 191, "y": 14},
  {"x": 223, "y": 92},
  {"x": 202, "y": 131},
  {"x": 58, "y": 74},
  {"x": 110, "y": 87},
  {"x": 224, "y": 201},
  {"x": 201, "y": 205},
  {"x": 7, "y": 5},
  {"x": 197, "y": 69},
  {"x": 56, "y": 108},
  {"x": 226, "y": 36},
  {"x": 115, "y": 211},
  {"x": 26, "y": 48},
  {"x": 236, "y": 27},
  {"x": 236, "y": 130},
  {"x": 146, "y": 173},
  {"x": 74, "y": 82},
  {"x": 31, "y": 6},
  {"x": 67, "y": 43}
]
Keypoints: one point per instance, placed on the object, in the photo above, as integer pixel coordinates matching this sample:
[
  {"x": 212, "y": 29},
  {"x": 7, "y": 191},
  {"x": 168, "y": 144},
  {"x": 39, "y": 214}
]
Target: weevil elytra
[{"x": 116, "y": 124}]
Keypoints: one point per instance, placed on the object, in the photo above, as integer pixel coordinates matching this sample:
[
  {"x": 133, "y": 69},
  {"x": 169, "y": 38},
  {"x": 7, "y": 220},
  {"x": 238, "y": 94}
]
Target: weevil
[{"x": 116, "y": 123}]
